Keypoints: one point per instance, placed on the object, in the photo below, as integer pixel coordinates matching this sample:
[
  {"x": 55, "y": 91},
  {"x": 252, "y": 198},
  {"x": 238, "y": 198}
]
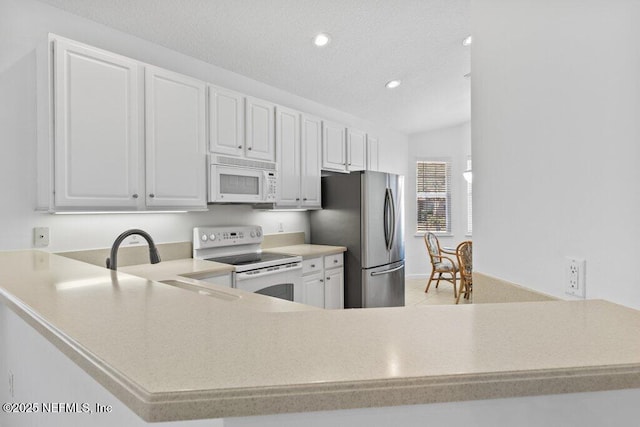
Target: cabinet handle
[
  {"x": 321, "y": 281},
  {"x": 249, "y": 148},
  {"x": 239, "y": 146},
  {"x": 304, "y": 199},
  {"x": 328, "y": 278},
  {"x": 152, "y": 195},
  {"x": 135, "y": 196},
  {"x": 297, "y": 199},
  {"x": 335, "y": 261},
  {"x": 313, "y": 266}
]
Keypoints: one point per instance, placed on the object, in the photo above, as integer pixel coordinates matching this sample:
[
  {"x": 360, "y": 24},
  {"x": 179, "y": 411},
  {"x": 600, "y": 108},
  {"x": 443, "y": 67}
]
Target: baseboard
[{"x": 489, "y": 289}]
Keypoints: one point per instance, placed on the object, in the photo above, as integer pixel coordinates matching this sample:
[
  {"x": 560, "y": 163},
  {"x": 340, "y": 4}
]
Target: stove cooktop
[{"x": 250, "y": 258}]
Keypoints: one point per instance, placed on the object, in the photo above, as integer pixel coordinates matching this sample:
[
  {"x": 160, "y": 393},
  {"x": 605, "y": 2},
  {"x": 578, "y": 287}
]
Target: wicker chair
[
  {"x": 464, "y": 253},
  {"x": 441, "y": 263}
]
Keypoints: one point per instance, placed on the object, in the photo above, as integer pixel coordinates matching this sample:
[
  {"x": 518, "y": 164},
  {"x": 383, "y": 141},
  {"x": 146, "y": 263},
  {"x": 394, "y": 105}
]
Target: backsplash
[{"x": 139, "y": 254}]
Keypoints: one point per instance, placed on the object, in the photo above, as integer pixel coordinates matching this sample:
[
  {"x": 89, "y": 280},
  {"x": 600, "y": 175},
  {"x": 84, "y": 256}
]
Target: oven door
[
  {"x": 228, "y": 184},
  {"x": 282, "y": 281}
]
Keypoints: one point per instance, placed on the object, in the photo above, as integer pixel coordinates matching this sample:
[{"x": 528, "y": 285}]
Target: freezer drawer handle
[{"x": 380, "y": 273}]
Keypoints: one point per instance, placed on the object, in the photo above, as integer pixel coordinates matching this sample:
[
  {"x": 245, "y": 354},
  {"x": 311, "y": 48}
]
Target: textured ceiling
[{"x": 373, "y": 41}]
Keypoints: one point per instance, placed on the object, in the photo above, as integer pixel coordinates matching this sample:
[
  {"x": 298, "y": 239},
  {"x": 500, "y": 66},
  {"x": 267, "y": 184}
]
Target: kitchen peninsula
[{"x": 171, "y": 354}]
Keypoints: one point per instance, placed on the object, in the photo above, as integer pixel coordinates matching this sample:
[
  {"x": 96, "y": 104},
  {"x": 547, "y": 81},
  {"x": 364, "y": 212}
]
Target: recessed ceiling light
[
  {"x": 466, "y": 41},
  {"x": 392, "y": 84},
  {"x": 321, "y": 39}
]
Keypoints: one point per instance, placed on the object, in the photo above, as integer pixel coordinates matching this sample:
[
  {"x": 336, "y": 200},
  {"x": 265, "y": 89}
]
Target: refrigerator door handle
[
  {"x": 386, "y": 218},
  {"x": 393, "y": 219},
  {"x": 379, "y": 273}
]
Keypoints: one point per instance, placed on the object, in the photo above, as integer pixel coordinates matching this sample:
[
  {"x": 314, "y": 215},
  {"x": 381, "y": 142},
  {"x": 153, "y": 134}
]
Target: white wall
[
  {"x": 24, "y": 25},
  {"x": 556, "y": 143},
  {"x": 451, "y": 144}
]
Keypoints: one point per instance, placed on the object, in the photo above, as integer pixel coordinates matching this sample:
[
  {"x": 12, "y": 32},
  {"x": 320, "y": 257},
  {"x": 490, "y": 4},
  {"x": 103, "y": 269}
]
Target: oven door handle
[{"x": 246, "y": 275}]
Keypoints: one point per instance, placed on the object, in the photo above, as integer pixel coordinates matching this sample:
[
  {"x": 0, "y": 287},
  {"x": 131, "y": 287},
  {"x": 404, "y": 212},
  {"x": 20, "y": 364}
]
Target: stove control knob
[
  {"x": 253, "y": 234},
  {"x": 203, "y": 238},
  {"x": 258, "y": 233},
  {"x": 212, "y": 237}
]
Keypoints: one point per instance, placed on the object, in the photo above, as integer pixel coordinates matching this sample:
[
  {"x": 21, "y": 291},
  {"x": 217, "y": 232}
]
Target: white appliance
[
  {"x": 237, "y": 180},
  {"x": 265, "y": 273}
]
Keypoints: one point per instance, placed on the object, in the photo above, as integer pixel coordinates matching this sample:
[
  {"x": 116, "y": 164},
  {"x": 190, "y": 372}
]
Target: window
[
  {"x": 433, "y": 196},
  {"x": 469, "y": 204}
]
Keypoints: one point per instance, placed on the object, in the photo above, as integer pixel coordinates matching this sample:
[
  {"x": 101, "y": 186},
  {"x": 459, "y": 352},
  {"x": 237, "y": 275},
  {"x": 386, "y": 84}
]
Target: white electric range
[{"x": 256, "y": 271}]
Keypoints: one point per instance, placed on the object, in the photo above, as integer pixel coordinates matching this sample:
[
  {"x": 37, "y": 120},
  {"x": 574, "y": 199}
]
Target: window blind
[{"x": 433, "y": 196}]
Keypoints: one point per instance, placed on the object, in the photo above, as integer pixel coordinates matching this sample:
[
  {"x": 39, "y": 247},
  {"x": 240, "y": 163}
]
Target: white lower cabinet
[
  {"x": 334, "y": 288},
  {"x": 314, "y": 289},
  {"x": 323, "y": 281}
]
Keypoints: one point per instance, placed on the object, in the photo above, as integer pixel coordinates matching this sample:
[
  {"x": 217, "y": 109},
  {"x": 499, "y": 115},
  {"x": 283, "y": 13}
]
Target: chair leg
[
  {"x": 455, "y": 292},
  {"x": 438, "y": 281},
  {"x": 433, "y": 271},
  {"x": 460, "y": 292}
]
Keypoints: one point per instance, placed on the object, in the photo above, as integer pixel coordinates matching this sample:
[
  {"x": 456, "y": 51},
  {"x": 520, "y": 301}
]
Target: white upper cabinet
[
  {"x": 97, "y": 129},
  {"x": 373, "y": 147},
  {"x": 311, "y": 153},
  {"x": 259, "y": 136},
  {"x": 333, "y": 146},
  {"x": 175, "y": 140},
  {"x": 121, "y": 144},
  {"x": 288, "y": 149},
  {"x": 356, "y": 150},
  {"x": 298, "y": 143},
  {"x": 226, "y": 121}
]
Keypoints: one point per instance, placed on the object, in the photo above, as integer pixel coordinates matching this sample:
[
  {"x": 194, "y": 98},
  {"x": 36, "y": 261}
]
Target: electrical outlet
[
  {"x": 41, "y": 237},
  {"x": 575, "y": 277},
  {"x": 280, "y": 227}
]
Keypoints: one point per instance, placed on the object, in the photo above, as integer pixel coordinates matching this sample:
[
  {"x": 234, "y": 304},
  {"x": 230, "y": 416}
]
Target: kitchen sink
[{"x": 201, "y": 290}]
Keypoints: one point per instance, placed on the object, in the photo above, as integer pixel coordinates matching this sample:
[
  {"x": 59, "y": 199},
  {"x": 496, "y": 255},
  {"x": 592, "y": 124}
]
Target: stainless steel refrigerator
[{"x": 364, "y": 212}]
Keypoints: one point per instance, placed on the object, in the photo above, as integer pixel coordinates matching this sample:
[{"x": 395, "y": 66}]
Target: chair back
[
  {"x": 464, "y": 253},
  {"x": 433, "y": 247}
]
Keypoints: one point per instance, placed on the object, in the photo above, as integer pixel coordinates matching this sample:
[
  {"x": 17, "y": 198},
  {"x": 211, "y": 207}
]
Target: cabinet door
[
  {"x": 259, "y": 137},
  {"x": 333, "y": 147},
  {"x": 334, "y": 288},
  {"x": 314, "y": 290},
  {"x": 356, "y": 150},
  {"x": 311, "y": 150},
  {"x": 175, "y": 140},
  {"x": 226, "y": 121},
  {"x": 97, "y": 129},
  {"x": 372, "y": 153},
  {"x": 288, "y": 149}
]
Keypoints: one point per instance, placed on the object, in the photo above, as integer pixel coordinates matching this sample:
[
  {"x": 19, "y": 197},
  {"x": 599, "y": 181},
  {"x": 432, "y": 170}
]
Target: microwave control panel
[{"x": 270, "y": 184}]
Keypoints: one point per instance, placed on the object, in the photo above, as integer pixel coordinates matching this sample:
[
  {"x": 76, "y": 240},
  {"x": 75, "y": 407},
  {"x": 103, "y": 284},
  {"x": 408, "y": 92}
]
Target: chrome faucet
[{"x": 154, "y": 257}]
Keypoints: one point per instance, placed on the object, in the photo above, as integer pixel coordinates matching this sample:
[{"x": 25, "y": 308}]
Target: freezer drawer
[{"x": 383, "y": 286}]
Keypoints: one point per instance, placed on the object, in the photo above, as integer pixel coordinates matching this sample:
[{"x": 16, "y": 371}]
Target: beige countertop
[
  {"x": 308, "y": 251},
  {"x": 172, "y": 354},
  {"x": 193, "y": 268}
]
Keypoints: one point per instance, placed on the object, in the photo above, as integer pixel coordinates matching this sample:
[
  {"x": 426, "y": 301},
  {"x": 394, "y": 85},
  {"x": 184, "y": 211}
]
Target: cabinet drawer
[
  {"x": 312, "y": 265},
  {"x": 331, "y": 261}
]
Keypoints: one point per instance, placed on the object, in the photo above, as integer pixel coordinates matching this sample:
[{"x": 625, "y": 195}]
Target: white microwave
[{"x": 236, "y": 180}]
